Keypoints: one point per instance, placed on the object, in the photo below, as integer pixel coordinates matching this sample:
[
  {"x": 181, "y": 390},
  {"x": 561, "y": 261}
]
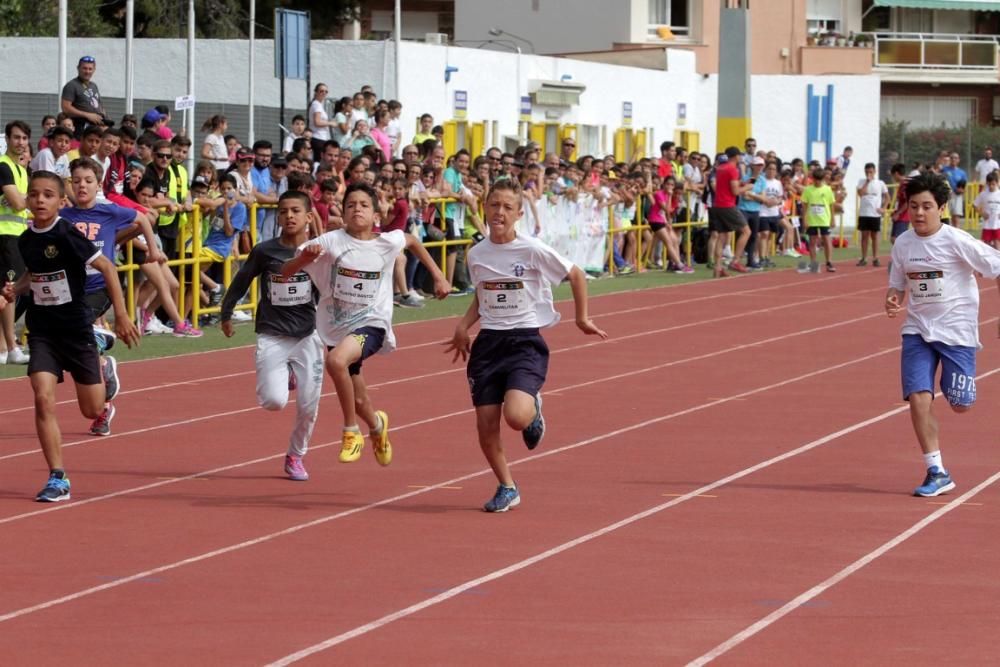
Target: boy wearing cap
[{"x": 81, "y": 98}]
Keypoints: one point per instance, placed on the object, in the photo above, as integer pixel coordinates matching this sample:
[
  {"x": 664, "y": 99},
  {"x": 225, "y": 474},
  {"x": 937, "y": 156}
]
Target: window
[
  {"x": 672, "y": 14},
  {"x": 588, "y": 140},
  {"x": 929, "y": 111},
  {"x": 824, "y": 16}
]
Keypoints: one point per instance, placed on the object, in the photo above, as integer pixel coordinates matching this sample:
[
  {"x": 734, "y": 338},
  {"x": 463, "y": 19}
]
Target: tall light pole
[
  {"x": 398, "y": 37},
  {"x": 250, "y": 87},
  {"x": 129, "y": 56},
  {"x": 63, "y": 11},
  {"x": 496, "y": 32},
  {"x": 190, "y": 82}
]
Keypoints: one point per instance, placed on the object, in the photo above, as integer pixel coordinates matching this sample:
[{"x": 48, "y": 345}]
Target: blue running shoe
[
  {"x": 503, "y": 499},
  {"x": 536, "y": 429},
  {"x": 937, "y": 482},
  {"x": 110, "y": 373},
  {"x": 56, "y": 489}
]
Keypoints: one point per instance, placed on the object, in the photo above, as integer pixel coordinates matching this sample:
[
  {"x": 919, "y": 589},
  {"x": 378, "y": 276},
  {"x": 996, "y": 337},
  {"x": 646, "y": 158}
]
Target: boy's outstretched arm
[
  {"x": 307, "y": 256},
  {"x": 578, "y": 283},
  {"x": 441, "y": 286},
  {"x": 460, "y": 342},
  {"x": 253, "y": 267},
  {"x": 125, "y": 328}
]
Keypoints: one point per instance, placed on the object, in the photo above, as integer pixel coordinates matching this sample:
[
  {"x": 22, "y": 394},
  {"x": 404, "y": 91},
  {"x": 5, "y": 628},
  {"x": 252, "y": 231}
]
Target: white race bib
[
  {"x": 50, "y": 289},
  {"x": 818, "y": 210},
  {"x": 356, "y": 287},
  {"x": 293, "y": 291},
  {"x": 926, "y": 286},
  {"x": 503, "y": 295}
]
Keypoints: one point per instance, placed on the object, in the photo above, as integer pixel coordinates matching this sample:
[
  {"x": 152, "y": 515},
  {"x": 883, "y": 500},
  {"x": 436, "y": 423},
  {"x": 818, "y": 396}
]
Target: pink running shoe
[
  {"x": 294, "y": 468},
  {"x": 186, "y": 330}
]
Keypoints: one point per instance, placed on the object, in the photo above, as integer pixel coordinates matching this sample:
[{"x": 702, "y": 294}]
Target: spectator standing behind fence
[
  {"x": 987, "y": 165},
  {"x": 214, "y": 148},
  {"x": 13, "y": 223},
  {"x": 81, "y": 98},
  {"x": 874, "y": 196},
  {"x": 319, "y": 120}
]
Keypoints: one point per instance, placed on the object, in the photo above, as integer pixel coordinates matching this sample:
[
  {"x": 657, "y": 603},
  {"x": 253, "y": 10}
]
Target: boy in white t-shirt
[
  {"x": 513, "y": 274},
  {"x": 352, "y": 270},
  {"x": 874, "y": 197},
  {"x": 936, "y": 263},
  {"x": 988, "y": 205}
]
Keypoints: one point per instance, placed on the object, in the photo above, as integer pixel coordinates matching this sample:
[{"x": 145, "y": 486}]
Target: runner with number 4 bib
[
  {"x": 289, "y": 352},
  {"x": 934, "y": 266}
]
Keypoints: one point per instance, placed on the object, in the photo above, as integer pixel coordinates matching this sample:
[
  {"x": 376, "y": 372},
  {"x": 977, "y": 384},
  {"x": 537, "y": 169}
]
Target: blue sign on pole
[
  {"x": 525, "y": 108},
  {"x": 291, "y": 44}
]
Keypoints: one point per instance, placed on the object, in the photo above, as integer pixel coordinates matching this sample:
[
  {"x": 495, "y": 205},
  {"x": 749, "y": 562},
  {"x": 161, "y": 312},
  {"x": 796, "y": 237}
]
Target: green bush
[{"x": 923, "y": 144}]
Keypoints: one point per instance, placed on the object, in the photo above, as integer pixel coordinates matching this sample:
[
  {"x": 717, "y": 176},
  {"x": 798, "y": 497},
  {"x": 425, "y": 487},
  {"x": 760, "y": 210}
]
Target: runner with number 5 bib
[{"x": 934, "y": 267}]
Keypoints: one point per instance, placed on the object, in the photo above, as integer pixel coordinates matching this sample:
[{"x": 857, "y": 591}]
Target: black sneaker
[
  {"x": 110, "y": 373},
  {"x": 56, "y": 489},
  {"x": 536, "y": 429}
]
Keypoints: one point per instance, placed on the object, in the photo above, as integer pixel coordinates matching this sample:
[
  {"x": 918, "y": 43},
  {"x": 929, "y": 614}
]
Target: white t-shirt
[
  {"x": 393, "y": 130},
  {"x": 220, "y": 154},
  {"x": 772, "y": 190},
  {"x": 985, "y": 167},
  {"x": 340, "y": 137},
  {"x": 322, "y": 133},
  {"x": 356, "y": 115},
  {"x": 354, "y": 280},
  {"x": 871, "y": 201},
  {"x": 990, "y": 203},
  {"x": 937, "y": 273},
  {"x": 45, "y": 161},
  {"x": 693, "y": 174},
  {"x": 513, "y": 282}
]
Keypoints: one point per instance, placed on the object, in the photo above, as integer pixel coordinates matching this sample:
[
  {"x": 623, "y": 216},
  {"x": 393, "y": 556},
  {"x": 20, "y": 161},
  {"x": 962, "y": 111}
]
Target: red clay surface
[{"x": 184, "y": 543}]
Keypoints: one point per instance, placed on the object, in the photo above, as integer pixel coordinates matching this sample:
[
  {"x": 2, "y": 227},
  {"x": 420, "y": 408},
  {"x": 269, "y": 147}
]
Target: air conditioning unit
[{"x": 436, "y": 38}]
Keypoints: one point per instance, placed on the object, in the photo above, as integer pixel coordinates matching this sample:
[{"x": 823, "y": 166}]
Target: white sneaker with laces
[
  {"x": 241, "y": 316},
  {"x": 17, "y": 356}
]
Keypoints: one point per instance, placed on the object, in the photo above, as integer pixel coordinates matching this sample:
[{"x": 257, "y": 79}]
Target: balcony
[{"x": 925, "y": 57}]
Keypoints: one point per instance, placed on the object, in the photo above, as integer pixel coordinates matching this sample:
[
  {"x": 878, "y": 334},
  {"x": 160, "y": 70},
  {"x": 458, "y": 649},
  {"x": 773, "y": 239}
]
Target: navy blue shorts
[
  {"x": 503, "y": 360},
  {"x": 370, "y": 339},
  {"x": 898, "y": 228},
  {"x": 920, "y": 360}
]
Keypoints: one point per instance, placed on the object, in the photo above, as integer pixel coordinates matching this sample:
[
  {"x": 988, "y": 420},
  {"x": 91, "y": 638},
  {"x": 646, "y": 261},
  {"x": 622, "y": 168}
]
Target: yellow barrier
[{"x": 639, "y": 226}]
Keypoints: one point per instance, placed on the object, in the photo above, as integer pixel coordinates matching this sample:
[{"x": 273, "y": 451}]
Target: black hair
[
  {"x": 127, "y": 132},
  {"x": 179, "y": 140},
  {"x": 146, "y": 182},
  {"x": 59, "y": 130},
  {"x": 505, "y": 185},
  {"x": 732, "y": 151},
  {"x": 898, "y": 168},
  {"x": 19, "y": 124},
  {"x": 262, "y": 143},
  {"x": 302, "y": 197},
  {"x": 41, "y": 174},
  {"x": 929, "y": 182},
  {"x": 296, "y": 117},
  {"x": 330, "y": 143},
  {"x": 870, "y": 165},
  {"x": 92, "y": 130},
  {"x": 363, "y": 187}
]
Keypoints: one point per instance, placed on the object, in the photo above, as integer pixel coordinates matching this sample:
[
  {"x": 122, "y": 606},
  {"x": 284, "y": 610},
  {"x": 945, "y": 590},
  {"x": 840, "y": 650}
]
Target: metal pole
[
  {"x": 129, "y": 55},
  {"x": 63, "y": 11},
  {"x": 398, "y": 37},
  {"x": 253, "y": 27},
  {"x": 190, "y": 82}
]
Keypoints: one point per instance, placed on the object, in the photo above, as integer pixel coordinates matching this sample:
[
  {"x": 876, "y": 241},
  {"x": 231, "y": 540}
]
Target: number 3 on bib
[{"x": 926, "y": 286}]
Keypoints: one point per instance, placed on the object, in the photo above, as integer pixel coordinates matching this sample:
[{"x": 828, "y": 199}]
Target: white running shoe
[
  {"x": 17, "y": 356},
  {"x": 241, "y": 316}
]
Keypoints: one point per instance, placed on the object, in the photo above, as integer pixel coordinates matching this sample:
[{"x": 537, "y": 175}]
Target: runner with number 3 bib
[{"x": 934, "y": 266}]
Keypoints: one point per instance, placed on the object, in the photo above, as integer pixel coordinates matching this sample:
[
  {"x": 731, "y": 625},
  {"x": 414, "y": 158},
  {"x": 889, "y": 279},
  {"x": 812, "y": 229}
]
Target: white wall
[{"x": 553, "y": 26}]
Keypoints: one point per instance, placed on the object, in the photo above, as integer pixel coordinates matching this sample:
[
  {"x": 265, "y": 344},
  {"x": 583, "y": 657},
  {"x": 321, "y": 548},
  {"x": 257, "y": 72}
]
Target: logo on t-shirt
[
  {"x": 50, "y": 253},
  {"x": 518, "y": 269}
]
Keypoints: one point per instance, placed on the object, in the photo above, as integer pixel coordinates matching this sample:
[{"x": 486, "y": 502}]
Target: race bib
[
  {"x": 502, "y": 296},
  {"x": 819, "y": 210},
  {"x": 293, "y": 291},
  {"x": 50, "y": 289},
  {"x": 356, "y": 287},
  {"x": 926, "y": 286}
]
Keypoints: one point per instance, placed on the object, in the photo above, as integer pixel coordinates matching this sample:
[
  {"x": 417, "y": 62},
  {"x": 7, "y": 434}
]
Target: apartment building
[{"x": 936, "y": 59}]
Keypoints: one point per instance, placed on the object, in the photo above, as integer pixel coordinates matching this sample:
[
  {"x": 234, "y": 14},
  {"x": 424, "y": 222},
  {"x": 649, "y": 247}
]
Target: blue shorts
[
  {"x": 920, "y": 360},
  {"x": 370, "y": 339},
  {"x": 502, "y": 360}
]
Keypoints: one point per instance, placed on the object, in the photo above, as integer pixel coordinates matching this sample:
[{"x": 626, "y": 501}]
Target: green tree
[{"x": 40, "y": 18}]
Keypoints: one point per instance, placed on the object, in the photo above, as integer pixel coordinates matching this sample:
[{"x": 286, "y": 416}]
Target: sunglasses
[
  {"x": 569, "y": 145},
  {"x": 400, "y": 171},
  {"x": 246, "y": 159},
  {"x": 87, "y": 59},
  {"x": 164, "y": 156}
]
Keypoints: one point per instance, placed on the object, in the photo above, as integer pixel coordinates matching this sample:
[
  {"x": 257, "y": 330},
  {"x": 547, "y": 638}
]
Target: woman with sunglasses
[{"x": 319, "y": 120}]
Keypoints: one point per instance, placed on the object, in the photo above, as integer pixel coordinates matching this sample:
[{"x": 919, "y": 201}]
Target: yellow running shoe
[
  {"x": 350, "y": 451},
  {"x": 380, "y": 441}
]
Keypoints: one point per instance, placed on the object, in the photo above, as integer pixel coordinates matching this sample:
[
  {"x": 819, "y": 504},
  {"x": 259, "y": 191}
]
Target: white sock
[
  {"x": 934, "y": 459},
  {"x": 353, "y": 428},
  {"x": 378, "y": 424}
]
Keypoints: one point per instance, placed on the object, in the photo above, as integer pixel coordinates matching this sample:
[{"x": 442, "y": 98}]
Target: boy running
[
  {"x": 936, "y": 264},
  {"x": 57, "y": 257},
  {"x": 352, "y": 269},
  {"x": 289, "y": 352},
  {"x": 513, "y": 275}
]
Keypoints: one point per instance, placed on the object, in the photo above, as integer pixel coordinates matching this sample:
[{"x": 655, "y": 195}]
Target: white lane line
[
  {"x": 820, "y": 588},
  {"x": 425, "y": 376},
  {"x": 429, "y": 420},
  {"x": 583, "y": 539},
  {"x": 604, "y": 437}
]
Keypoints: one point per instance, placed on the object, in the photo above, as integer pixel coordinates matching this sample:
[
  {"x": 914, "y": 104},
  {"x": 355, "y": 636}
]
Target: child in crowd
[
  {"x": 289, "y": 352},
  {"x": 818, "y": 201},
  {"x": 352, "y": 269},
  {"x": 57, "y": 257},
  {"x": 513, "y": 274},
  {"x": 874, "y": 197},
  {"x": 661, "y": 217},
  {"x": 988, "y": 206},
  {"x": 298, "y": 130},
  {"x": 224, "y": 226},
  {"x": 55, "y": 157}
]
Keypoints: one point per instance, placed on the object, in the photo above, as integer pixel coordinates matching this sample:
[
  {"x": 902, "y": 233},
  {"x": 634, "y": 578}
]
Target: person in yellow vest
[
  {"x": 13, "y": 223},
  {"x": 181, "y": 147},
  {"x": 165, "y": 198}
]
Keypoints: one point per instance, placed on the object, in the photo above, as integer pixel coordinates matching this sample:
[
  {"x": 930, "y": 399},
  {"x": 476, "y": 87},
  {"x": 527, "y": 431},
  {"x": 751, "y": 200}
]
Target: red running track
[{"x": 727, "y": 478}]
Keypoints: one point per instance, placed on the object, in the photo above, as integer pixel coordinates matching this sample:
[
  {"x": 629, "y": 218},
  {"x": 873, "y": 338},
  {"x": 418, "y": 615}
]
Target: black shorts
[
  {"x": 76, "y": 354},
  {"x": 818, "y": 231},
  {"x": 725, "y": 219},
  {"x": 11, "y": 265},
  {"x": 371, "y": 340},
  {"x": 98, "y": 301},
  {"x": 869, "y": 223},
  {"x": 753, "y": 220},
  {"x": 898, "y": 228},
  {"x": 657, "y": 226},
  {"x": 505, "y": 360},
  {"x": 770, "y": 224}
]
